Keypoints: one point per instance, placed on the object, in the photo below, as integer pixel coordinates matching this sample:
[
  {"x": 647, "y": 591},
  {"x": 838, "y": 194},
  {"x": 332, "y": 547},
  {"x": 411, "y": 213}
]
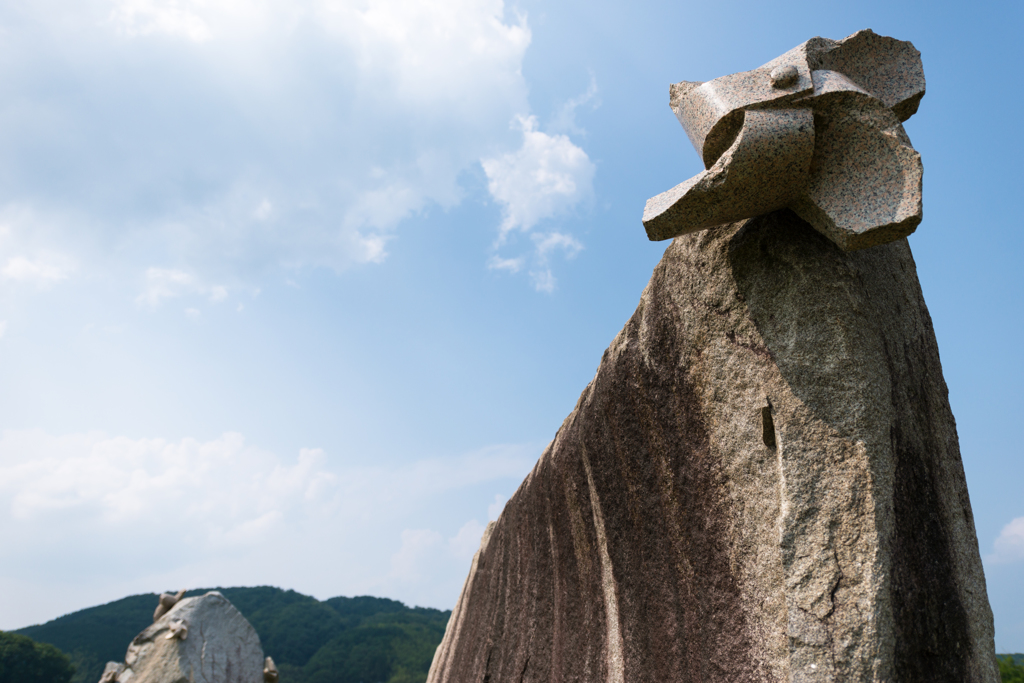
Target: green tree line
[
  {"x": 341, "y": 640},
  {"x": 23, "y": 660},
  {"x": 1011, "y": 669}
]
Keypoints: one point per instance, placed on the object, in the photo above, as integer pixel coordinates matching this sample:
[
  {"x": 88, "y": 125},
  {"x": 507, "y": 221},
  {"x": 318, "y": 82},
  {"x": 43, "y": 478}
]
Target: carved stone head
[{"x": 818, "y": 130}]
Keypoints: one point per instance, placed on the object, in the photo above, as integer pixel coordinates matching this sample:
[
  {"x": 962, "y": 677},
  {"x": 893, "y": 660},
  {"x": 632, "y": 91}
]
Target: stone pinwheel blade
[{"x": 818, "y": 130}]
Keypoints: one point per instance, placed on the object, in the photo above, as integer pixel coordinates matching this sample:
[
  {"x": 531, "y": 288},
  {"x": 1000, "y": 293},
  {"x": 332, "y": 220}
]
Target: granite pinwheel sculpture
[{"x": 818, "y": 130}]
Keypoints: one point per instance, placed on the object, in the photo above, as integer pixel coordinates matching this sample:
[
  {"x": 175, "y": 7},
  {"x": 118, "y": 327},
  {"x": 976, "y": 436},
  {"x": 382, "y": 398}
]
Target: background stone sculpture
[
  {"x": 111, "y": 671},
  {"x": 817, "y": 130},
  {"x": 166, "y": 602},
  {"x": 222, "y": 646},
  {"x": 270, "y": 673}
]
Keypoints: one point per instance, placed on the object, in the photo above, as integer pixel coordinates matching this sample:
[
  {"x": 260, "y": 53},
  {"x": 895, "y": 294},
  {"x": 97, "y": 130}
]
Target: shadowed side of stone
[{"x": 761, "y": 483}]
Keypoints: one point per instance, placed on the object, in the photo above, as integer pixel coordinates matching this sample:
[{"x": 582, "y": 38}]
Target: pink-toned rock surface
[
  {"x": 818, "y": 130},
  {"x": 761, "y": 483}
]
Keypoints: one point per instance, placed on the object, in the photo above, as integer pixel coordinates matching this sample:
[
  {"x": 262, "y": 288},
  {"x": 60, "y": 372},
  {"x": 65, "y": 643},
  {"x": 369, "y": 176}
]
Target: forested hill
[{"x": 340, "y": 640}]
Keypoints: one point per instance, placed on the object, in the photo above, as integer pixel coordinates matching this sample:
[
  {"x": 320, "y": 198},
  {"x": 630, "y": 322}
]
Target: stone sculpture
[
  {"x": 817, "y": 130},
  {"x": 199, "y": 639},
  {"x": 270, "y": 674},
  {"x": 166, "y": 602},
  {"x": 763, "y": 480},
  {"x": 111, "y": 671}
]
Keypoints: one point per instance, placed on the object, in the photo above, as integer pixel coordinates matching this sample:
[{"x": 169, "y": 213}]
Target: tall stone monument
[{"x": 763, "y": 480}]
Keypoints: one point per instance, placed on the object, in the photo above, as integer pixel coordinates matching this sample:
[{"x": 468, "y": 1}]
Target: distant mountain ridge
[{"x": 340, "y": 640}]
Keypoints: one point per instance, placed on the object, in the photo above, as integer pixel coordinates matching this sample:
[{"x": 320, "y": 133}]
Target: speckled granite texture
[
  {"x": 761, "y": 483},
  {"x": 818, "y": 130}
]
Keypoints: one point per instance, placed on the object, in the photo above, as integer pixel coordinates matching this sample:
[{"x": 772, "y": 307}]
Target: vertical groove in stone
[
  {"x": 613, "y": 637},
  {"x": 556, "y": 617}
]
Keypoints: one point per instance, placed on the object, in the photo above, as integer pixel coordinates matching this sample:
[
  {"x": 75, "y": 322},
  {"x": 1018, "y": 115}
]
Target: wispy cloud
[
  {"x": 545, "y": 245},
  {"x": 495, "y": 508},
  {"x": 512, "y": 265},
  {"x": 564, "y": 120},
  {"x": 42, "y": 272},
  {"x": 556, "y": 241},
  {"x": 407, "y": 565},
  {"x": 1009, "y": 546},
  {"x": 169, "y": 17},
  {"x": 464, "y": 544},
  {"x": 223, "y": 510},
  {"x": 546, "y": 176},
  {"x": 161, "y": 284},
  {"x": 222, "y": 484},
  {"x": 35, "y": 248}
]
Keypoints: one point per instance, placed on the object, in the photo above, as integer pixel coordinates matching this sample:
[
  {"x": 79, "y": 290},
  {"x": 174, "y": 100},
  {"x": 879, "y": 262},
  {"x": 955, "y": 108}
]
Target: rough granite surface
[
  {"x": 221, "y": 646},
  {"x": 817, "y": 130},
  {"x": 762, "y": 483}
]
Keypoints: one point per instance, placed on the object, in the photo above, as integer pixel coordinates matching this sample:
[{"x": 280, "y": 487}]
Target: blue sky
[{"x": 294, "y": 293}]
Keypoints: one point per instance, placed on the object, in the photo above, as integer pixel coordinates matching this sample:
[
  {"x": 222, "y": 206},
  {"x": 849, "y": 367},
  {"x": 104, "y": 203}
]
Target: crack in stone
[
  {"x": 829, "y": 627},
  {"x": 522, "y": 674}
]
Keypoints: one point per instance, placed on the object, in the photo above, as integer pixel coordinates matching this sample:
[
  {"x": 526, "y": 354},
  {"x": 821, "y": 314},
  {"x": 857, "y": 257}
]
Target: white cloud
[
  {"x": 41, "y": 272},
  {"x": 1009, "y": 546},
  {"x": 543, "y": 280},
  {"x": 417, "y": 544},
  {"x": 262, "y": 212},
  {"x": 565, "y": 119},
  {"x": 544, "y": 245},
  {"x": 422, "y": 551},
  {"x": 465, "y": 543},
  {"x": 431, "y": 50},
  {"x": 170, "y": 17},
  {"x": 220, "y": 489},
  {"x": 548, "y": 243},
  {"x": 325, "y": 123},
  {"x": 165, "y": 283},
  {"x": 512, "y": 265},
  {"x": 547, "y": 176},
  {"x": 162, "y": 284},
  {"x": 423, "y": 554},
  {"x": 35, "y": 248},
  {"x": 139, "y": 514},
  {"x": 495, "y": 508}
]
